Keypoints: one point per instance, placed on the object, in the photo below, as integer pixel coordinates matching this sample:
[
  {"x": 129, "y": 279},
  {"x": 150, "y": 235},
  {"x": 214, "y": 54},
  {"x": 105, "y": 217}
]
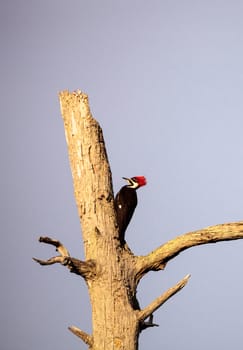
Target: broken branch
[
  {"x": 158, "y": 259},
  {"x": 59, "y": 246},
  {"x": 146, "y": 312},
  {"x": 53, "y": 260},
  {"x": 87, "y": 339},
  {"x": 86, "y": 269},
  {"x": 148, "y": 324}
]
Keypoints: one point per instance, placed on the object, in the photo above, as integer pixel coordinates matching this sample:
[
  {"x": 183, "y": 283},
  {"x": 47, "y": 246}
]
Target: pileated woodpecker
[{"x": 126, "y": 202}]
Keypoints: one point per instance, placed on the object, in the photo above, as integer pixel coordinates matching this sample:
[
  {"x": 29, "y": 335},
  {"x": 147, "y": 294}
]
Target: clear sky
[{"x": 165, "y": 81}]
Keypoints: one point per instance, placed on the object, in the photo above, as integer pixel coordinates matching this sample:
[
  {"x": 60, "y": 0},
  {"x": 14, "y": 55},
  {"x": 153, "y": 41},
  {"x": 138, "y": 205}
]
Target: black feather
[{"x": 125, "y": 204}]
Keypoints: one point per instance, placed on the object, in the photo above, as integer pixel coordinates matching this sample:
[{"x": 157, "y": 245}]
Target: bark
[
  {"x": 115, "y": 323},
  {"x": 111, "y": 271}
]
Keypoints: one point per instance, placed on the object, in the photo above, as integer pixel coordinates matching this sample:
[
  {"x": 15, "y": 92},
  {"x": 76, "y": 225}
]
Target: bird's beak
[{"x": 127, "y": 179}]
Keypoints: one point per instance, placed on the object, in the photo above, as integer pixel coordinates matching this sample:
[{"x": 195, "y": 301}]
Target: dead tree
[{"x": 110, "y": 269}]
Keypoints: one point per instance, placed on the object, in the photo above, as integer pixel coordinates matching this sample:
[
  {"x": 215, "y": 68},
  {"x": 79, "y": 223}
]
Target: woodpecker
[{"x": 126, "y": 202}]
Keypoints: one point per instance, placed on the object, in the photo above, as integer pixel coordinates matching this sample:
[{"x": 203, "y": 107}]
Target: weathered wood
[
  {"x": 157, "y": 259},
  {"x": 112, "y": 291},
  {"x": 152, "y": 307},
  {"x": 111, "y": 271},
  {"x": 87, "y": 339}
]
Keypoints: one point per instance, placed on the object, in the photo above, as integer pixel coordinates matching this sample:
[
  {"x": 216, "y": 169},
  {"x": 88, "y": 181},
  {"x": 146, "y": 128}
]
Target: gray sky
[{"x": 165, "y": 81}]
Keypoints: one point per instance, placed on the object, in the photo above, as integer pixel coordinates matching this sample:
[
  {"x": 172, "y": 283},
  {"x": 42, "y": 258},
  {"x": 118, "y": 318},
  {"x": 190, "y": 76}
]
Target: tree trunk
[
  {"x": 110, "y": 270},
  {"x": 112, "y": 286}
]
